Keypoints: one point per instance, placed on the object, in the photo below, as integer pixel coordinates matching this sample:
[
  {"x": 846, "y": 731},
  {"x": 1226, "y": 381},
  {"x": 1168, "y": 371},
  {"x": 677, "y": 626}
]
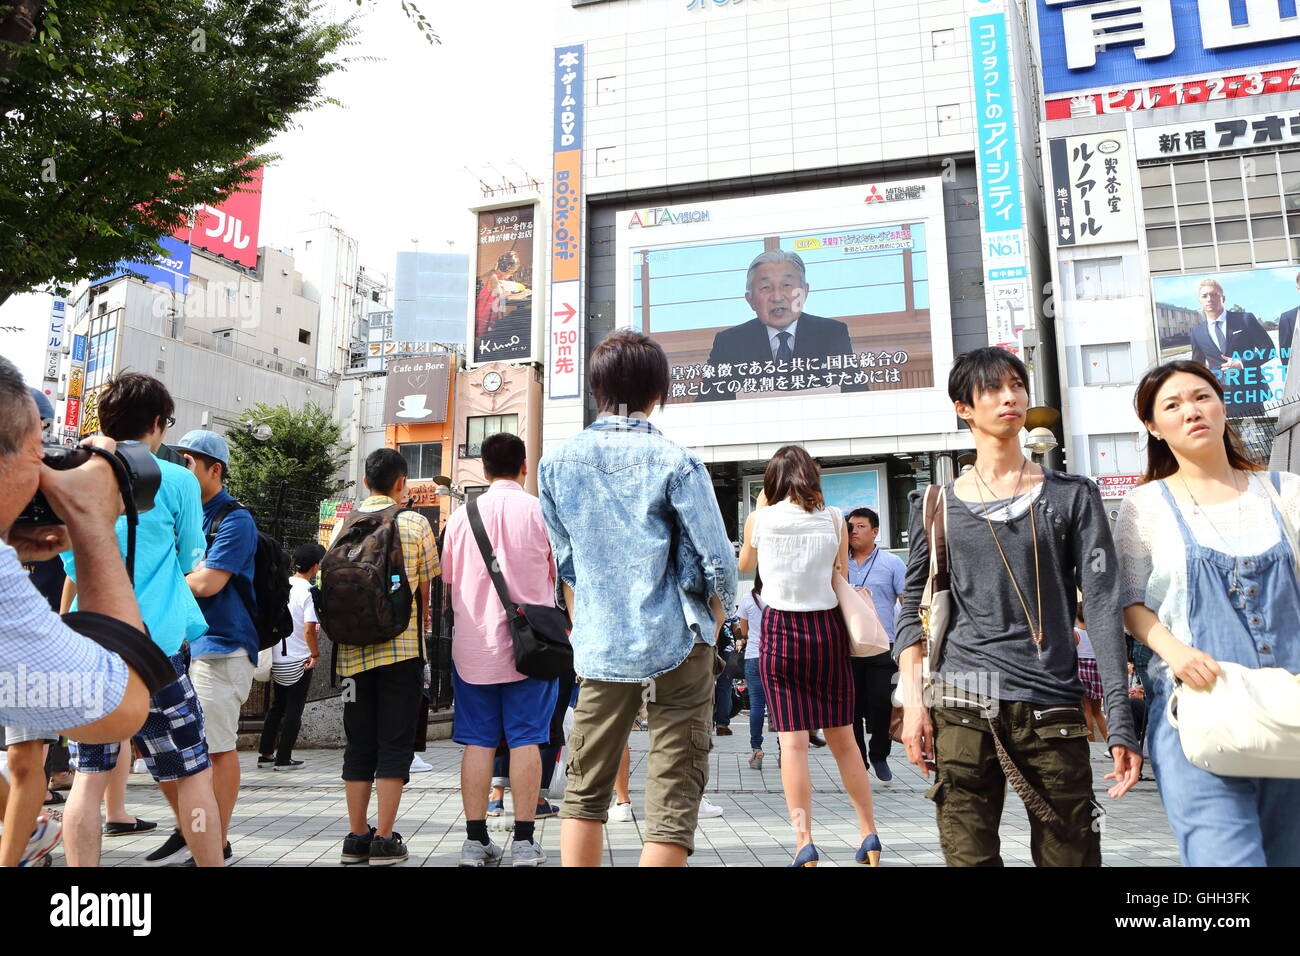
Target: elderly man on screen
[{"x": 776, "y": 288}]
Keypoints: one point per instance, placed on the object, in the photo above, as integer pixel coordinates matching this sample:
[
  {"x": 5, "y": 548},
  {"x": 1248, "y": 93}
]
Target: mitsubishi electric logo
[
  {"x": 894, "y": 193},
  {"x": 663, "y": 216}
]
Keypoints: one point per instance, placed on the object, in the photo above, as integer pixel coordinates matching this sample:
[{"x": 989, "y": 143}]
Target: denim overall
[{"x": 1232, "y": 821}]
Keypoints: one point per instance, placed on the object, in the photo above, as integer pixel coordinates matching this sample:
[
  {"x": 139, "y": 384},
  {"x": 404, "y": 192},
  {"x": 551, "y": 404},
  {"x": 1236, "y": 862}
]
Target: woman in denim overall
[{"x": 1228, "y": 596}]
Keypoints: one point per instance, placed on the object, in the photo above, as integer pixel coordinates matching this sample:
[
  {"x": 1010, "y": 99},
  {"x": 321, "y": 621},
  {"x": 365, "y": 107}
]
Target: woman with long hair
[
  {"x": 495, "y": 291},
  {"x": 804, "y": 659},
  {"x": 1209, "y": 575}
]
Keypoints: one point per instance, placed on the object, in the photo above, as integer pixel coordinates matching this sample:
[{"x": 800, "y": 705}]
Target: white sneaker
[
  {"x": 620, "y": 813},
  {"x": 418, "y": 765},
  {"x": 709, "y": 809},
  {"x": 139, "y": 766},
  {"x": 49, "y": 827},
  {"x": 473, "y": 853}
]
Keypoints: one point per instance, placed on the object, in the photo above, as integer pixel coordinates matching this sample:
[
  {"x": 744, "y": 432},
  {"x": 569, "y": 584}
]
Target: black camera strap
[{"x": 128, "y": 503}]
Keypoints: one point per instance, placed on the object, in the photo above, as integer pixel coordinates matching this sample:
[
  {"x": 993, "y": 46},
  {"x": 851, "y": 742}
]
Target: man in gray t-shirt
[{"x": 1006, "y": 703}]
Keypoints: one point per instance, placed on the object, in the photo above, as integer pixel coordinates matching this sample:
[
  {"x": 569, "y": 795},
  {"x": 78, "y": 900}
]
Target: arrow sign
[{"x": 566, "y": 313}]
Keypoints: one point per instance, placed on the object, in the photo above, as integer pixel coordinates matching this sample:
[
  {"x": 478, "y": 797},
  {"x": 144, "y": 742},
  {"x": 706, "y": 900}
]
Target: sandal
[{"x": 54, "y": 799}]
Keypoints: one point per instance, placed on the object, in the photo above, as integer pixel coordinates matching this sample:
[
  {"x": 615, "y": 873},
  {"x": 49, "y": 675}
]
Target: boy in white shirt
[{"x": 291, "y": 665}]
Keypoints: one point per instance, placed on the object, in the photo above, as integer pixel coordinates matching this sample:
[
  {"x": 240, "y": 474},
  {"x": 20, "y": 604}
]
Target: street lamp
[
  {"x": 1040, "y": 421},
  {"x": 445, "y": 487}
]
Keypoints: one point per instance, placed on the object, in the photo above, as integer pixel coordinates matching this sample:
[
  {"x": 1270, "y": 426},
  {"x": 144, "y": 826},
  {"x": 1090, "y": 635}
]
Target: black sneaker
[
  {"x": 291, "y": 765},
  {"x": 173, "y": 850},
  {"x": 356, "y": 849},
  {"x": 385, "y": 852},
  {"x": 128, "y": 829},
  {"x": 264, "y": 761},
  {"x": 226, "y": 855}
]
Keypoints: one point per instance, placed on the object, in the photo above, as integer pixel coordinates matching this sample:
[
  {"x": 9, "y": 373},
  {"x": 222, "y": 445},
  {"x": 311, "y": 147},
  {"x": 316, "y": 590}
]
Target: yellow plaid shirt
[{"x": 420, "y": 556}]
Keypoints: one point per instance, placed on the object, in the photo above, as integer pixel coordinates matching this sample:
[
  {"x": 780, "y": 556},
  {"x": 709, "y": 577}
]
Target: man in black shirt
[{"x": 1005, "y": 701}]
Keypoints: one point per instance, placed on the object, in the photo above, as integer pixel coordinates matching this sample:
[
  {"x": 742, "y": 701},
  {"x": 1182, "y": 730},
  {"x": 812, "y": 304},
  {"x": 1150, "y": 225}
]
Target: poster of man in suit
[
  {"x": 1239, "y": 325},
  {"x": 824, "y": 312}
]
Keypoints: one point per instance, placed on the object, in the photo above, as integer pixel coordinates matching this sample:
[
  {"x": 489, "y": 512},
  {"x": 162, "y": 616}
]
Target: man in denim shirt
[{"x": 648, "y": 571}]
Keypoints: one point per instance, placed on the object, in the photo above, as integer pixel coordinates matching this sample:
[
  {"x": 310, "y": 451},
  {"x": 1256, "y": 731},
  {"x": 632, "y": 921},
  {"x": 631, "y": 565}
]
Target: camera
[{"x": 138, "y": 478}]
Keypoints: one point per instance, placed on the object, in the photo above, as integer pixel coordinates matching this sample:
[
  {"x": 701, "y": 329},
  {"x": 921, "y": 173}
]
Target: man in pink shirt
[{"x": 493, "y": 700}]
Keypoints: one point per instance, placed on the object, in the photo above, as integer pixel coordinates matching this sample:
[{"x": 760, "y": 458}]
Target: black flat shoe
[{"x": 128, "y": 829}]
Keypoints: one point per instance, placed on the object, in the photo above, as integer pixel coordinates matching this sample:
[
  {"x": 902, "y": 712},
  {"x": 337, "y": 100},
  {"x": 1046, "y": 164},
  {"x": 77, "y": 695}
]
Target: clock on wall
[{"x": 491, "y": 381}]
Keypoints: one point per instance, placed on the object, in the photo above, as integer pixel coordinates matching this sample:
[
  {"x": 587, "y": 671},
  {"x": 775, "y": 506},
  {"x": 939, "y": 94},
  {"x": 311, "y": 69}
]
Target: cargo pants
[{"x": 1049, "y": 745}]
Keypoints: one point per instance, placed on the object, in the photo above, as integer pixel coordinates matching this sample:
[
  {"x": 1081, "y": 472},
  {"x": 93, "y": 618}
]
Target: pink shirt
[{"x": 481, "y": 649}]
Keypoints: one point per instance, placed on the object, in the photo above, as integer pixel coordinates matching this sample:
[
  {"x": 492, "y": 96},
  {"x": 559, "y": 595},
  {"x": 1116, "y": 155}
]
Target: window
[
  {"x": 606, "y": 158},
  {"x": 278, "y": 310},
  {"x": 482, "y": 426},
  {"x": 303, "y": 335},
  {"x": 607, "y": 91},
  {"x": 1098, "y": 278},
  {"x": 1107, "y": 364},
  {"x": 1114, "y": 454},
  {"x": 306, "y": 245},
  {"x": 948, "y": 119},
  {"x": 423, "y": 460},
  {"x": 943, "y": 44}
]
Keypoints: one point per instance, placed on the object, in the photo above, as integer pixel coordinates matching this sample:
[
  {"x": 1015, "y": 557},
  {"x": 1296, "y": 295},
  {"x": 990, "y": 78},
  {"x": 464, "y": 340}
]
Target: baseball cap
[
  {"x": 205, "y": 443},
  {"x": 305, "y": 556},
  {"x": 42, "y": 404}
]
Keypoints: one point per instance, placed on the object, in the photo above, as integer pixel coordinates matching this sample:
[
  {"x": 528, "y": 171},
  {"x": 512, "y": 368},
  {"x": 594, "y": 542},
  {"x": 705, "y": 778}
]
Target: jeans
[
  {"x": 757, "y": 704},
  {"x": 285, "y": 718},
  {"x": 724, "y": 694}
]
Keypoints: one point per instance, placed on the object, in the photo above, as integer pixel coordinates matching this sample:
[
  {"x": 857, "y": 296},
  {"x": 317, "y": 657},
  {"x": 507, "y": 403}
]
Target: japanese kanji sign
[
  {"x": 1091, "y": 190},
  {"x": 1212, "y": 136},
  {"x": 564, "y": 324}
]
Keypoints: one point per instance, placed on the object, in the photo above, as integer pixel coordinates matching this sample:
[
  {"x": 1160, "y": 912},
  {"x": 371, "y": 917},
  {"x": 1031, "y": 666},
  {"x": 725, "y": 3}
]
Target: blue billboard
[
  {"x": 171, "y": 269},
  {"x": 1088, "y": 44},
  {"x": 995, "y": 123}
]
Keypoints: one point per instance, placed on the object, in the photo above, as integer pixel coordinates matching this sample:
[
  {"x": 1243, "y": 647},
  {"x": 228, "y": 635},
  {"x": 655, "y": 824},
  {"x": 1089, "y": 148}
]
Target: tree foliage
[
  {"x": 119, "y": 117},
  {"x": 304, "y": 453}
]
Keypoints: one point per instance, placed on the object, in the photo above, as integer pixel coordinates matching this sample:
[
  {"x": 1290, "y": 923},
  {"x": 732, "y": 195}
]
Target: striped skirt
[{"x": 804, "y": 667}]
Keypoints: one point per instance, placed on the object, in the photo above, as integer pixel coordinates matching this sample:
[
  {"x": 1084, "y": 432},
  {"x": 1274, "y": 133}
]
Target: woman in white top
[
  {"x": 1208, "y": 575},
  {"x": 804, "y": 659}
]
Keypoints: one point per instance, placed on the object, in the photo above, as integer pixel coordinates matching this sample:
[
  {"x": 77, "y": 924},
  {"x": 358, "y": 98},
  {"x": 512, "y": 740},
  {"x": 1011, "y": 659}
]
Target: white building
[
  {"x": 891, "y": 145},
  {"x": 1168, "y": 163}
]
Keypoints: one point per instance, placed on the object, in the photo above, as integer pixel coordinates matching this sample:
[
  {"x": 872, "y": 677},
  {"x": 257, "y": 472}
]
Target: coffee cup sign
[{"x": 416, "y": 389}]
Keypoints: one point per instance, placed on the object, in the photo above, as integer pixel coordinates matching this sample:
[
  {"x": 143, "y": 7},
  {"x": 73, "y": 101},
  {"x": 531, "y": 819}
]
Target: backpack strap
[
  {"x": 229, "y": 506},
  {"x": 489, "y": 556}
]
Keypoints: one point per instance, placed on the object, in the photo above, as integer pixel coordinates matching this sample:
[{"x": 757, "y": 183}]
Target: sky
[{"x": 401, "y": 158}]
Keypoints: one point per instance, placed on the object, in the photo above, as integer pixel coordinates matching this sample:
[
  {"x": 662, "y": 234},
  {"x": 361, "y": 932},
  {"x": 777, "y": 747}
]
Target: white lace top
[
  {"x": 1153, "y": 557},
  {"x": 796, "y": 555}
]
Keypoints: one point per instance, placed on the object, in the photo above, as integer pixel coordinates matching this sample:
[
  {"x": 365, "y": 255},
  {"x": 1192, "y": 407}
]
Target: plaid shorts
[
  {"x": 172, "y": 739},
  {"x": 1090, "y": 678}
]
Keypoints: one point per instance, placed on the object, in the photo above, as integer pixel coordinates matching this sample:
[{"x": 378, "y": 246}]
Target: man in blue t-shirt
[
  {"x": 169, "y": 542},
  {"x": 224, "y": 657}
]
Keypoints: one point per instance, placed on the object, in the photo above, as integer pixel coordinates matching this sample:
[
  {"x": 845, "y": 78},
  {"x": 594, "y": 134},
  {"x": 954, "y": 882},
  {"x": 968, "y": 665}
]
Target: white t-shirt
[
  {"x": 1085, "y": 645},
  {"x": 751, "y": 609},
  {"x": 1153, "y": 557},
  {"x": 303, "y": 611},
  {"x": 796, "y": 555}
]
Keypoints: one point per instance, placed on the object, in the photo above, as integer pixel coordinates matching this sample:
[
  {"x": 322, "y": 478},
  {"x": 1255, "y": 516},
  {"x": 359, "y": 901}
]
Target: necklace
[
  {"x": 1015, "y": 492},
  {"x": 1236, "y": 593},
  {"x": 1035, "y": 632}
]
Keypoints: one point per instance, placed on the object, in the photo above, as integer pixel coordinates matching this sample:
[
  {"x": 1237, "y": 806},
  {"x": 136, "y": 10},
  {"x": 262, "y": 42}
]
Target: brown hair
[
  {"x": 793, "y": 474},
  {"x": 1161, "y": 462},
  {"x": 628, "y": 371}
]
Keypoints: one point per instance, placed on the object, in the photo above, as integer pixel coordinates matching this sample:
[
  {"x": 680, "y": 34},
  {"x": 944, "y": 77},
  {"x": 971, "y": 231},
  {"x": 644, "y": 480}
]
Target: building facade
[
  {"x": 1173, "y": 171},
  {"x": 891, "y": 147}
]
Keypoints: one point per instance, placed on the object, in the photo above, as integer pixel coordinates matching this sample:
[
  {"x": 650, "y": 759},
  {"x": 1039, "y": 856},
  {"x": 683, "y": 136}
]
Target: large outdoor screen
[{"x": 818, "y": 292}]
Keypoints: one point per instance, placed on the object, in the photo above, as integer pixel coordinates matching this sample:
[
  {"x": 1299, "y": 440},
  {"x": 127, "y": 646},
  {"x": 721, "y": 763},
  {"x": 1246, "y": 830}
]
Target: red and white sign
[
  {"x": 1117, "y": 486},
  {"x": 230, "y": 229},
  {"x": 565, "y": 326},
  {"x": 1222, "y": 86},
  {"x": 72, "y": 414}
]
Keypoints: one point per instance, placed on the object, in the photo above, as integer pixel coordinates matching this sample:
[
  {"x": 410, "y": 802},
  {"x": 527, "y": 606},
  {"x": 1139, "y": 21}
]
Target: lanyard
[{"x": 866, "y": 571}]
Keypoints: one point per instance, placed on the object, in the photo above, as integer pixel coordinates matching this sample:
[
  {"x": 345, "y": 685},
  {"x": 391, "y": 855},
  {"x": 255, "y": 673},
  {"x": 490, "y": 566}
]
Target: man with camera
[
  {"x": 100, "y": 662},
  {"x": 137, "y": 409}
]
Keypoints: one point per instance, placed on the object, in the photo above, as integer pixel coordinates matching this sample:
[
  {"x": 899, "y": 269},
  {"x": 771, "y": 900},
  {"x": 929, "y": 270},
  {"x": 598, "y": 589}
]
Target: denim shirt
[{"x": 637, "y": 534}]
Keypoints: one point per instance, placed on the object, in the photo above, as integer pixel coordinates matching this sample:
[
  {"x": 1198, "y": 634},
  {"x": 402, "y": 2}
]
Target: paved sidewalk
[{"x": 299, "y": 818}]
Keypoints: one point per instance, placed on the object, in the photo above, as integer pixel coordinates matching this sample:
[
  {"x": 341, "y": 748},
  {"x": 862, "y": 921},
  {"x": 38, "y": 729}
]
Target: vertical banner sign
[
  {"x": 503, "y": 292},
  {"x": 1092, "y": 196},
  {"x": 564, "y": 324},
  {"x": 76, "y": 382},
  {"x": 997, "y": 154},
  {"x": 54, "y": 341}
]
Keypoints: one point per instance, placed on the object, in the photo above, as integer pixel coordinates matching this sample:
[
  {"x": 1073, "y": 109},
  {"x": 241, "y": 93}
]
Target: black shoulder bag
[{"x": 540, "y": 633}]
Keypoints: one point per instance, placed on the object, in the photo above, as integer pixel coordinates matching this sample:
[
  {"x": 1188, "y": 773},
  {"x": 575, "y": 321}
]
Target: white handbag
[
  {"x": 867, "y": 636},
  {"x": 262, "y": 672},
  {"x": 1245, "y": 724}
]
